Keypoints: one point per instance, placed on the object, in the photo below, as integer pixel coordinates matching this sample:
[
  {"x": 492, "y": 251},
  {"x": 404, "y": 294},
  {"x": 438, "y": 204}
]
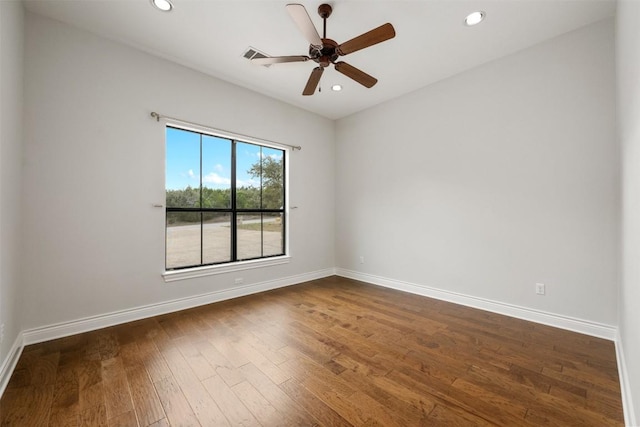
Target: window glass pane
[
  {"x": 216, "y": 237},
  {"x": 249, "y": 235},
  {"x": 216, "y": 172},
  {"x": 183, "y": 239},
  {"x": 272, "y": 234},
  {"x": 182, "y": 169},
  {"x": 272, "y": 178},
  {"x": 248, "y": 173}
]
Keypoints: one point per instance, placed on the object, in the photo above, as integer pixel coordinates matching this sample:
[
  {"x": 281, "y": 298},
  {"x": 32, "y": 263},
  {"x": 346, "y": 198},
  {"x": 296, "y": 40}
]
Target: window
[{"x": 225, "y": 200}]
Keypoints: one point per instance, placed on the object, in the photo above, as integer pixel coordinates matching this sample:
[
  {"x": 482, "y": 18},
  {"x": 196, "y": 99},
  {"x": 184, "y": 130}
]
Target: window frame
[{"x": 200, "y": 270}]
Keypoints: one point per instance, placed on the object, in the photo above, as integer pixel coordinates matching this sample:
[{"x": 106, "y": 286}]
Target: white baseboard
[
  {"x": 625, "y": 387},
  {"x": 64, "y": 329},
  {"x": 9, "y": 364},
  {"x": 564, "y": 322}
]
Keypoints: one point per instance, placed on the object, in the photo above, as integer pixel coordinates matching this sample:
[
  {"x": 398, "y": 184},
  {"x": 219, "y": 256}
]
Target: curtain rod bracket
[{"x": 156, "y": 115}]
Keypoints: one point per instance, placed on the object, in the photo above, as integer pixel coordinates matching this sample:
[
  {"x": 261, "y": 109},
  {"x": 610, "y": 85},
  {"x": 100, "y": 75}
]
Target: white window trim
[{"x": 210, "y": 270}]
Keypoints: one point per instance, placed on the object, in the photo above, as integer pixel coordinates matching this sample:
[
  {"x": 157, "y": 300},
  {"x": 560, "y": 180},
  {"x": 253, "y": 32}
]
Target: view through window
[{"x": 225, "y": 200}]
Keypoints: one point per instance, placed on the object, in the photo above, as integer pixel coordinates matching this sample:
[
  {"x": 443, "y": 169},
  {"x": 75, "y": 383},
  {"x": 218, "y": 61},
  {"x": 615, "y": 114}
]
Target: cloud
[
  {"x": 219, "y": 167},
  {"x": 214, "y": 178},
  {"x": 221, "y": 181}
]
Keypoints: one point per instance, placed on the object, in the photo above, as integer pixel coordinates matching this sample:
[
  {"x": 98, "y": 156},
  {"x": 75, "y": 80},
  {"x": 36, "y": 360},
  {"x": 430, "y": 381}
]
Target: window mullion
[
  {"x": 234, "y": 212},
  {"x": 201, "y": 213},
  {"x": 261, "y": 203}
]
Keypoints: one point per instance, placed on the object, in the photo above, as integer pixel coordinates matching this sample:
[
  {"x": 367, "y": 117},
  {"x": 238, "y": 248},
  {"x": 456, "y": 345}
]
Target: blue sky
[{"x": 183, "y": 160}]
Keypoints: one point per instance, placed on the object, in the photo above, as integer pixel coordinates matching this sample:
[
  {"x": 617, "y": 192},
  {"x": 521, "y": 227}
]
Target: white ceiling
[{"x": 431, "y": 40}]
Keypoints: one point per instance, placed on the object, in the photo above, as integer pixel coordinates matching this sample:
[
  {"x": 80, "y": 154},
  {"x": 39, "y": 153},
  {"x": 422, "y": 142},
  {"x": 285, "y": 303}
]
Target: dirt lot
[{"x": 183, "y": 244}]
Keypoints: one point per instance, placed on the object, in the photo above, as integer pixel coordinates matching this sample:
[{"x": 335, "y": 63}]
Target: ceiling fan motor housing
[{"x": 326, "y": 55}]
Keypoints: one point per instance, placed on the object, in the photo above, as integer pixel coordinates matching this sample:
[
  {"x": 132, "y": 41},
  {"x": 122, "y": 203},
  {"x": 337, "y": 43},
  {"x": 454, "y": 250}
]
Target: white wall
[
  {"x": 490, "y": 181},
  {"x": 11, "y": 99},
  {"x": 95, "y": 164},
  {"x": 628, "y": 68}
]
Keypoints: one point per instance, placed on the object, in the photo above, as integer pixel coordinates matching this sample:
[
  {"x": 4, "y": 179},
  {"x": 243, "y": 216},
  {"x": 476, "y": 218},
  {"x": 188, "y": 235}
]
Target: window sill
[{"x": 190, "y": 273}]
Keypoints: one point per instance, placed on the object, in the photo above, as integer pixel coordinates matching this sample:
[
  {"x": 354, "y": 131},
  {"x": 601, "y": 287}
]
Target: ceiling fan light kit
[{"x": 325, "y": 51}]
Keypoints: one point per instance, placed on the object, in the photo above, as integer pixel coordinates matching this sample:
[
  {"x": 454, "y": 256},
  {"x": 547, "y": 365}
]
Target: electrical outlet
[
  {"x": 239, "y": 281},
  {"x": 1, "y": 333},
  {"x": 361, "y": 260},
  {"x": 540, "y": 288}
]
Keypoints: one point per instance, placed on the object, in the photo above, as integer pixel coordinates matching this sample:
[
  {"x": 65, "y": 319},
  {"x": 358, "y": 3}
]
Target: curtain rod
[{"x": 158, "y": 116}]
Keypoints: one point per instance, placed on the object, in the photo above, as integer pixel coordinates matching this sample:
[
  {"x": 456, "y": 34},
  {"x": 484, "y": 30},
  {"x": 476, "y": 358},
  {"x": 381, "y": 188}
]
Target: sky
[{"x": 183, "y": 160}]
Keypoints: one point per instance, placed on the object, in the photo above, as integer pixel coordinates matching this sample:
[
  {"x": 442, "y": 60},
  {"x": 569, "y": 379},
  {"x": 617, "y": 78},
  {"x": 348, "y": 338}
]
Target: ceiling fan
[{"x": 325, "y": 51}]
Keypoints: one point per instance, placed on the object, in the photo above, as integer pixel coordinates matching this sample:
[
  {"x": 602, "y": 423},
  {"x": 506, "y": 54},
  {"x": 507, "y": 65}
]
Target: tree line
[{"x": 270, "y": 196}]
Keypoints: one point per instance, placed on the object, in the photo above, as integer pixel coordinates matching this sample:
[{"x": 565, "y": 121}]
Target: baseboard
[
  {"x": 9, "y": 364},
  {"x": 625, "y": 387},
  {"x": 564, "y": 322},
  {"x": 46, "y": 333}
]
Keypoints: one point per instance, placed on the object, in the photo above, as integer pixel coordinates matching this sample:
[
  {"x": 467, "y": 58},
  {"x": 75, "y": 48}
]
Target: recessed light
[
  {"x": 336, "y": 88},
  {"x": 474, "y": 18},
  {"x": 163, "y": 5}
]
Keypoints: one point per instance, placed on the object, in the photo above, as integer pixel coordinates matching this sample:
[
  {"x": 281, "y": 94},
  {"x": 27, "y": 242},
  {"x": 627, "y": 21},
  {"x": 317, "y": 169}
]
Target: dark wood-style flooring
[{"x": 332, "y": 352}]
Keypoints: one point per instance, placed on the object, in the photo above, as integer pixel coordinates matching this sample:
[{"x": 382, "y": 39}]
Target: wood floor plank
[
  {"x": 234, "y": 410},
  {"x": 34, "y": 369},
  {"x": 224, "y": 344},
  {"x": 93, "y": 416},
  {"x": 117, "y": 396},
  {"x": 26, "y": 406},
  {"x": 403, "y": 402},
  {"x": 446, "y": 416},
  {"x": 146, "y": 403},
  {"x": 312, "y": 404},
  {"x": 331, "y": 352},
  {"x": 261, "y": 409},
  {"x": 222, "y": 366},
  {"x": 162, "y": 423},
  {"x": 153, "y": 361},
  {"x": 331, "y": 389},
  {"x": 127, "y": 419},
  {"x": 175, "y": 405},
  {"x": 65, "y": 408},
  {"x": 203, "y": 406},
  {"x": 265, "y": 365},
  {"x": 198, "y": 363},
  {"x": 293, "y": 412}
]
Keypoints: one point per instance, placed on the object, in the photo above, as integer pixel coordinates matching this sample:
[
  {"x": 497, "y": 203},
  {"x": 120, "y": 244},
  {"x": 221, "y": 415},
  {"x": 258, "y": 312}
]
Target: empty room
[{"x": 345, "y": 213}]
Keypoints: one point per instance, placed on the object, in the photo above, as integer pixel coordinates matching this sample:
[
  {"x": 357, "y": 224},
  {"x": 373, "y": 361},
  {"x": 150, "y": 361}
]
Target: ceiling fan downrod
[{"x": 324, "y": 10}]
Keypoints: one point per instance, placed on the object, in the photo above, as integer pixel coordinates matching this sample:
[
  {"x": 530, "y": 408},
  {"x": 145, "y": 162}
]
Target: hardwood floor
[{"x": 332, "y": 352}]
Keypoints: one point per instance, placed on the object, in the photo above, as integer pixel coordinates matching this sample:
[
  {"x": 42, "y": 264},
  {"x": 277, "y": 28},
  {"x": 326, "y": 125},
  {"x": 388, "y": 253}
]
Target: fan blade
[
  {"x": 375, "y": 36},
  {"x": 313, "y": 81},
  {"x": 305, "y": 25},
  {"x": 358, "y": 75},
  {"x": 279, "y": 59}
]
